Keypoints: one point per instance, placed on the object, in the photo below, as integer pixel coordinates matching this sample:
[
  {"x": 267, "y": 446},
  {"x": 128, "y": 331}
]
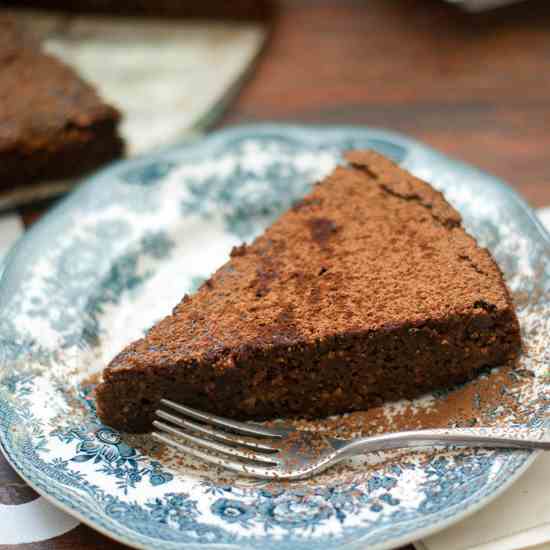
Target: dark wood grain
[
  {"x": 217, "y": 9},
  {"x": 475, "y": 87},
  {"x": 80, "y": 538}
]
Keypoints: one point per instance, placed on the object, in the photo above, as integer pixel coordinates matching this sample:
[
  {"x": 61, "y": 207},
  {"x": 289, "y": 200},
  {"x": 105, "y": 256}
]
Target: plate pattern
[{"x": 99, "y": 270}]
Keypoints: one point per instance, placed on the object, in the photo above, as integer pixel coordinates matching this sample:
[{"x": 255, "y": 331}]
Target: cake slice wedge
[
  {"x": 367, "y": 290},
  {"x": 53, "y": 124}
]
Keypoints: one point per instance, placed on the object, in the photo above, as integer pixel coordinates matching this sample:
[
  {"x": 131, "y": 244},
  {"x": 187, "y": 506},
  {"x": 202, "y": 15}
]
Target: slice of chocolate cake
[
  {"x": 53, "y": 125},
  {"x": 367, "y": 290}
]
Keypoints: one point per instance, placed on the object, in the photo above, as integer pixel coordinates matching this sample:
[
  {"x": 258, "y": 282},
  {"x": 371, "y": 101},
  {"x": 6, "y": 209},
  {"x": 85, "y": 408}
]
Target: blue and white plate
[{"x": 122, "y": 250}]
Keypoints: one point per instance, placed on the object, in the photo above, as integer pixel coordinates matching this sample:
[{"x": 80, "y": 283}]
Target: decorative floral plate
[{"x": 121, "y": 251}]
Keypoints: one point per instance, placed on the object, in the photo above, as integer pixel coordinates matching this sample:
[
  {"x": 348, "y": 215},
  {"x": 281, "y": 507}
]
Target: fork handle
[{"x": 510, "y": 438}]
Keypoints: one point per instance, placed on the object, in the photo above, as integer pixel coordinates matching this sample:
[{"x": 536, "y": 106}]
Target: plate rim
[{"x": 304, "y": 131}]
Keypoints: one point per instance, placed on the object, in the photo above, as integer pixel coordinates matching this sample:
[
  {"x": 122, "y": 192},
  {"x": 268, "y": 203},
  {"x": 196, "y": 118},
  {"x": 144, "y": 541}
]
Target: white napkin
[
  {"x": 168, "y": 77},
  {"x": 518, "y": 519}
]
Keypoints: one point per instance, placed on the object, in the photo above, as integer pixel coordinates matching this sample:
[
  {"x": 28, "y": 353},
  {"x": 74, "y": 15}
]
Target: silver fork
[{"x": 283, "y": 452}]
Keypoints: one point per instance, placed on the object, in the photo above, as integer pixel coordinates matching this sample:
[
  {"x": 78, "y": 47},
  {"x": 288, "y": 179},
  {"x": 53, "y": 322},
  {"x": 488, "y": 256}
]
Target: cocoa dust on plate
[
  {"x": 496, "y": 397},
  {"x": 489, "y": 400}
]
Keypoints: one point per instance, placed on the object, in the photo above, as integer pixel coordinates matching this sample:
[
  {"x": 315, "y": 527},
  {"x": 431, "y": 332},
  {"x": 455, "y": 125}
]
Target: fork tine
[
  {"x": 240, "y": 427},
  {"x": 246, "y": 454},
  {"x": 234, "y": 466},
  {"x": 217, "y": 434}
]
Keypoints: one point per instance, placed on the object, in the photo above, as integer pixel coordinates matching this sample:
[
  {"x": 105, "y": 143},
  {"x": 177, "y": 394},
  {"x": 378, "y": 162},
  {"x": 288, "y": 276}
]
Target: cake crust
[{"x": 367, "y": 290}]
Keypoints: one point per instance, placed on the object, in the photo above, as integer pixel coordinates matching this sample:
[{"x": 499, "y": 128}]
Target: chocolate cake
[
  {"x": 53, "y": 125},
  {"x": 367, "y": 290}
]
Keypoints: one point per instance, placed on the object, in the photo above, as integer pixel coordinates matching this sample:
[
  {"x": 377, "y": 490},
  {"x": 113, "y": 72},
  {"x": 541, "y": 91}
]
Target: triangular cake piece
[
  {"x": 53, "y": 125},
  {"x": 367, "y": 290}
]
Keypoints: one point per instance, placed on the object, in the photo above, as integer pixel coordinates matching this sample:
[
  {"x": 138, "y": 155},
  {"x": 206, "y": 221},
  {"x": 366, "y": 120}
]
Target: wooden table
[{"x": 475, "y": 87}]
